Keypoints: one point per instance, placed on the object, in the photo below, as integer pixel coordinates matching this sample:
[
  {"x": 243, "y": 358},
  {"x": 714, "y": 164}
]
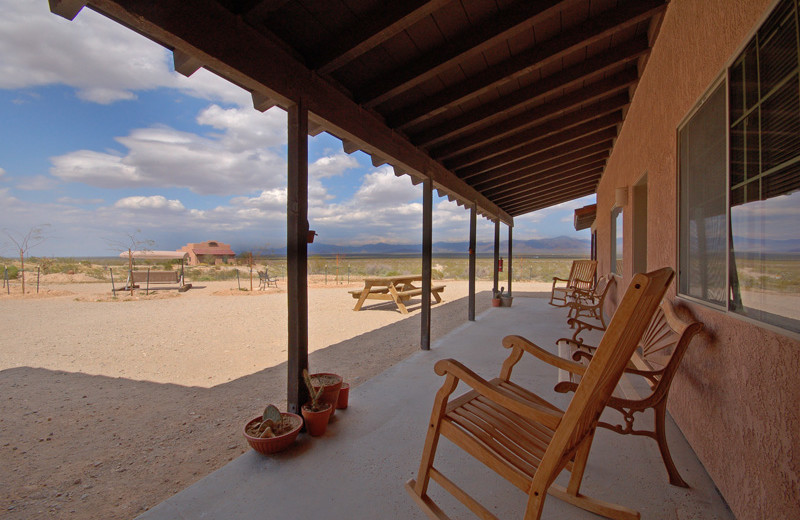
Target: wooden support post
[
  {"x": 473, "y": 217},
  {"x": 297, "y": 254},
  {"x": 496, "y": 254},
  {"x": 427, "y": 262},
  {"x": 510, "y": 269}
]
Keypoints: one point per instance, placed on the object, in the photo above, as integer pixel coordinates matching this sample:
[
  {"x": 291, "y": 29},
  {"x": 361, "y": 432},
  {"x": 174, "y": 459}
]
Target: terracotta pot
[
  {"x": 316, "y": 422},
  {"x": 269, "y": 445},
  {"x": 505, "y": 301},
  {"x": 344, "y": 394},
  {"x": 330, "y": 394},
  {"x": 495, "y": 302}
]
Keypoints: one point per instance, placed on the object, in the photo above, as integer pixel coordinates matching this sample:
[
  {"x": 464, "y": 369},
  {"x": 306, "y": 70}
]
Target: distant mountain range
[{"x": 545, "y": 246}]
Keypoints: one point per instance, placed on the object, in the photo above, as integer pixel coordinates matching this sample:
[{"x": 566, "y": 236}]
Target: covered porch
[{"x": 358, "y": 468}]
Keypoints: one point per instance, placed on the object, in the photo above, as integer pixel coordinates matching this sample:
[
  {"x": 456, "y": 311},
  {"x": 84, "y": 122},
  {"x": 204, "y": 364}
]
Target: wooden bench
[
  {"x": 157, "y": 277},
  {"x": 656, "y": 359}
]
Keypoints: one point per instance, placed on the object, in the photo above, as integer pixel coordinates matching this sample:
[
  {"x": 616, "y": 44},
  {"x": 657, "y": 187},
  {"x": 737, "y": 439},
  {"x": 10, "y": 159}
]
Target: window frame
[
  {"x": 722, "y": 78},
  {"x": 617, "y": 212}
]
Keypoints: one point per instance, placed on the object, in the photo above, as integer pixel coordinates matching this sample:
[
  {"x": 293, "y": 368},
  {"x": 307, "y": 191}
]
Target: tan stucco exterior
[{"x": 737, "y": 395}]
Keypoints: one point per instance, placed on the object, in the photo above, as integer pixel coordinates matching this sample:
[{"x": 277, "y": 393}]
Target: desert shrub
[{"x": 13, "y": 272}]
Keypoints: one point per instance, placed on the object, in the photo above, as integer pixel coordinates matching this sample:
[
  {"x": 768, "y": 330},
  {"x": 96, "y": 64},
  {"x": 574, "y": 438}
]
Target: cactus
[
  {"x": 498, "y": 294},
  {"x": 314, "y": 404},
  {"x": 271, "y": 422}
]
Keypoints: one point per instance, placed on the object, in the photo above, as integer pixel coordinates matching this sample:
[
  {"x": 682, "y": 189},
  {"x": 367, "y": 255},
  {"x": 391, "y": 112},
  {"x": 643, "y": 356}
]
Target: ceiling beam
[
  {"x": 572, "y": 101},
  {"x": 508, "y": 175},
  {"x": 580, "y": 136},
  {"x": 507, "y": 23},
  {"x": 527, "y": 178},
  {"x": 226, "y": 44},
  {"x": 385, "y": 22},
  {"x": 551, "y": 185},
  {"x": 625, "y": 15},
  {"x": 583, "y": 73},
  {"x": 576, "y": 193},
  {"x": 584, "y": 118}
]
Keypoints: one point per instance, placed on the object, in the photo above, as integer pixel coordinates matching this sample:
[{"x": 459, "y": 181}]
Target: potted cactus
[
  {"x": 496, "y": 296},
  {"x": 315, "y": 412},
  {"x": 331, "y": 385},
  {"x": 273, "y": 431}
]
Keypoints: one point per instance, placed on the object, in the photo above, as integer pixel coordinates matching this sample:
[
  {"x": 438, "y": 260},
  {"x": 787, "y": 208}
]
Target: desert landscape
[{"x": 112, "y": 404}]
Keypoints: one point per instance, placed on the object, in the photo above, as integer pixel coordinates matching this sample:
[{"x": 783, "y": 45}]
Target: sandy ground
[{"x": 110, "y": 406}]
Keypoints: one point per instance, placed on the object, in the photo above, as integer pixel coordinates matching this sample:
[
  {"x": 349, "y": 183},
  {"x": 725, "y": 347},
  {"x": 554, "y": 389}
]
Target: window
[
  {"x": 616, "y": 241},
  {"x": 740, "y": 182}
]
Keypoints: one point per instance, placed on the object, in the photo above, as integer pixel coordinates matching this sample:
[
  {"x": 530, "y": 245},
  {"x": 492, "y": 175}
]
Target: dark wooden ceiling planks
[{"x": 512, "y": 105}]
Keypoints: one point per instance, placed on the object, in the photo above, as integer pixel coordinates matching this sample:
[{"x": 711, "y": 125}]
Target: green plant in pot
[
  {"x": 315, "y": 412},
  {"x": 273, "y": 431}
]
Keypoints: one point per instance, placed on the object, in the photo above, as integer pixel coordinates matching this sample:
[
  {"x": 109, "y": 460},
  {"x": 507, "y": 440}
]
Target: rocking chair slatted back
[{"x": 605, "y": 370}]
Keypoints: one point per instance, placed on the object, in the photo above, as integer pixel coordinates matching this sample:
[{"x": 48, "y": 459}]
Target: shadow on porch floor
[{"x": 358, "y": 468}]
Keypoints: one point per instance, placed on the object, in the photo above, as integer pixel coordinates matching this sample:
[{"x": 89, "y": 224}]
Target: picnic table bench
[{"x": 398, "y": 289}]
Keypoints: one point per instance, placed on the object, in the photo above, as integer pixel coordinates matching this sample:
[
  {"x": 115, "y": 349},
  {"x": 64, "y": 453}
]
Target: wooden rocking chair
[
  {"x": 521, "y": 436},
  {"x": 589, "y": 303},
  {"x": 656, "y": 359},
  {"x": 581, "y": 276}
]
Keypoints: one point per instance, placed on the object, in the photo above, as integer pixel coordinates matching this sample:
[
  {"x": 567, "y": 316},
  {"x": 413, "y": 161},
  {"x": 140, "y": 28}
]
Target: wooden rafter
[
  {"x": 583, "y": 73},
  {"x": 585, "y": 119},
  {"x": 375, "y": 28},
  {"x": 529, "y": 178},
  {"x": 592, "y": 31},
  {"x": 577, "y": 137},
  {"x": 572, "y": 101},
  {"x": 541, "y": 189},
  {"x": 500, "y": 183},
  {"x": 474, "y": 40}
]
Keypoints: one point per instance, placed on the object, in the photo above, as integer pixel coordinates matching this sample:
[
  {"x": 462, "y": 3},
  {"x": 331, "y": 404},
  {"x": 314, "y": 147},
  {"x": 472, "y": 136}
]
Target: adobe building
[{"x": 209, "y": 252}]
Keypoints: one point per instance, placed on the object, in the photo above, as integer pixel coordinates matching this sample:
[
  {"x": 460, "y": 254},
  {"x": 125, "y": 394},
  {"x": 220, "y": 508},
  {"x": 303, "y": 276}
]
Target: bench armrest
[
  {"x": 518, "y": 342},
  {"x": 546, "y": 416}
]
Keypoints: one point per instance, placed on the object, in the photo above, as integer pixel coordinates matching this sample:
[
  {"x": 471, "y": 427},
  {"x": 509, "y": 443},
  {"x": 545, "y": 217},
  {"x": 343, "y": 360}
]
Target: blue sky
[{"x": 100, "y": 139}]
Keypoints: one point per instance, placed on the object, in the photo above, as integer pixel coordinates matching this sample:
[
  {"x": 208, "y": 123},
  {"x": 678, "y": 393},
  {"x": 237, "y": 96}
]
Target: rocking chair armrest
[
  {"x": 551, "y": 359},
  {"x": 547, "y": 416}
]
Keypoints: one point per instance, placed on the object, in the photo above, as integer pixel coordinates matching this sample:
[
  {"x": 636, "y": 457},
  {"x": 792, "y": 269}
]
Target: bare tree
[
  {"x": 133, "y": 243},
  {"x": 24, "y": 243}
]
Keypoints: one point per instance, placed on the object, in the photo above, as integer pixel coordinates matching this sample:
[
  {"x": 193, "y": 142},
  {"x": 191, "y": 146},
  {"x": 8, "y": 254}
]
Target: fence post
[
  {"x": 113, "y": 289},
  {"x": 37, "y": 279},
  {"x": 238, "y": 282},
  {"x": 326, "y": 274},
  {"x": 147, "y": 287},
  {"x": 5, "y": 281}
]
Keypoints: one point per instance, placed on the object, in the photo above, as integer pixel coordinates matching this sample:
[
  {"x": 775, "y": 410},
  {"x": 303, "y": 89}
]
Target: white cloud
[
  {"x": 37, "y": 183},
  {"x": 79, "y": 202},
  {"x": 2, "y": 173},
  {"x": 246, "y": 128},
  {"x": 165, "y": 157},
  {"x": 156, "y": 202},
  {"x": 104, "y": 61},
  {"x": 332, "y": 165}
]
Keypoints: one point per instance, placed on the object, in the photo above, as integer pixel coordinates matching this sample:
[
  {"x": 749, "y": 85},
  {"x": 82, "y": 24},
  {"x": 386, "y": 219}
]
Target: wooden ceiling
[{"x": 513, "y": 106}]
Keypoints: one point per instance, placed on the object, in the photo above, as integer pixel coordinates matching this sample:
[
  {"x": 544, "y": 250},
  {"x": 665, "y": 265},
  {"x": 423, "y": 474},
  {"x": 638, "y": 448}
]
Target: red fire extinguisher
[{"x": 500, "y": 265}]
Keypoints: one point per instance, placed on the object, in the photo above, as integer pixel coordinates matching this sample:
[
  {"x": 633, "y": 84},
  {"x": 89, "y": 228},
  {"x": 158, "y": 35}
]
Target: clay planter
[
  {"x": 275, "y": 444},
  {"x": 316, "y": 422},
  {"x": 495, "y": 302},
  {"x": 331, "y": 383},
  {"x": 505, "y": 301},
  {"x": 344, "y": 394}
]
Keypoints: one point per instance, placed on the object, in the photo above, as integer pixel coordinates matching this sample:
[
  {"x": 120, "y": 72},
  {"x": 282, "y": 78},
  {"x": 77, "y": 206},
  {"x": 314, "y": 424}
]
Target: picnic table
[{"x": 398, "y": 289}]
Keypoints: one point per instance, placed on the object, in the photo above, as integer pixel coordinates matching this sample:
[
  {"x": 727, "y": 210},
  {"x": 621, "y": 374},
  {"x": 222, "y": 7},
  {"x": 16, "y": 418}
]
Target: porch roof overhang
[{"x": 510, "y": 106}]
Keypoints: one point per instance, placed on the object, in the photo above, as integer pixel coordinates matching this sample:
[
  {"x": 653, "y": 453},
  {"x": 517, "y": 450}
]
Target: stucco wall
[{"x": 737, "y": 395}]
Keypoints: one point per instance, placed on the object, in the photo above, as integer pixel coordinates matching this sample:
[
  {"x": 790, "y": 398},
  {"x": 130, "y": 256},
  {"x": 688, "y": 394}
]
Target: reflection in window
[
  {"x": 764, "y": 197},
  {"x": 616, "y": 241}
]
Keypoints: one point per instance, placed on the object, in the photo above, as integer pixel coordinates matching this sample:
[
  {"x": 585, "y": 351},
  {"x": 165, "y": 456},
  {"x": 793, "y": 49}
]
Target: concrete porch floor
[{"x": 358, "y": 468}]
